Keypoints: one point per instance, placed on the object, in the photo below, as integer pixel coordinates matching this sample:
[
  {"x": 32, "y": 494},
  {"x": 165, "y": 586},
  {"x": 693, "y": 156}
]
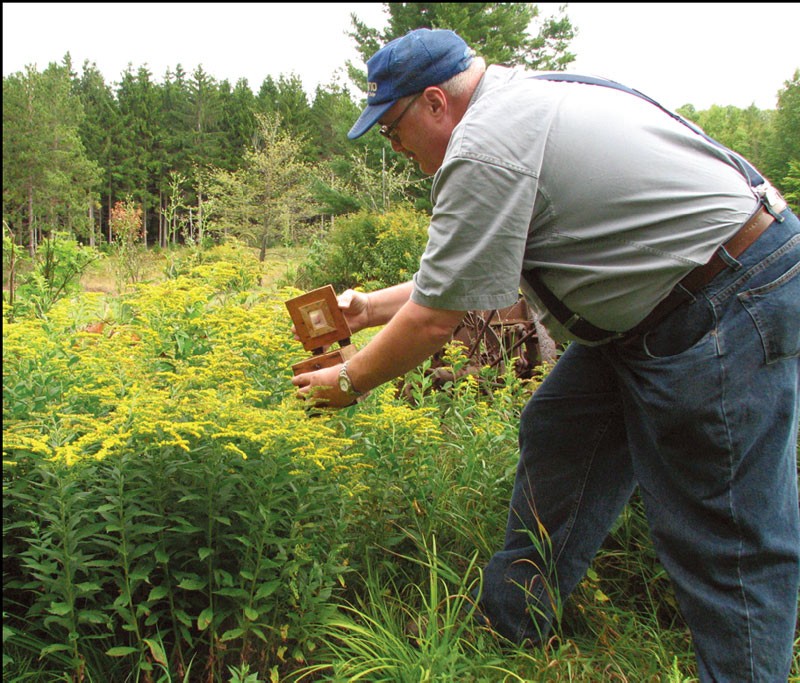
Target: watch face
[{"x": 344, "y": 385}]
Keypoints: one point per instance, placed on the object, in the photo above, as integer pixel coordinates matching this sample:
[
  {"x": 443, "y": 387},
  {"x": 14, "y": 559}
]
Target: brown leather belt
[{"x": 702, "y": 275}]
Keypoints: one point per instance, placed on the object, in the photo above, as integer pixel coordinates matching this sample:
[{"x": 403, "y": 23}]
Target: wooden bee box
[{"x": 319, "y": 323}]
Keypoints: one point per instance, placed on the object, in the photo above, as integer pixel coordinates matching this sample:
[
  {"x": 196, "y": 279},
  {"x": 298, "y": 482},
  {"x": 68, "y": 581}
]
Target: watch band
[{"x": 349, "y": 388}]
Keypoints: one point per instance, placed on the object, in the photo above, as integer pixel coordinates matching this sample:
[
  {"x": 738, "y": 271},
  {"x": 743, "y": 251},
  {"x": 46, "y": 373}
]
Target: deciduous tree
[
  {"x": 268, "y": 199},
  {"x": 784, "y": 147}
]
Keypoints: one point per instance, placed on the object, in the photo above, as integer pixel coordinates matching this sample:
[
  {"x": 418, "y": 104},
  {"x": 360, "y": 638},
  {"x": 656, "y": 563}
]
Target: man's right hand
[{"x": 355, "y": 307}]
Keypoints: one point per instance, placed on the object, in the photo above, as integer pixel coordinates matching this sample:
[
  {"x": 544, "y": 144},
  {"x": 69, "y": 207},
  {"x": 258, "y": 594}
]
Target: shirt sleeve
[{"x": 477, "y": 235}]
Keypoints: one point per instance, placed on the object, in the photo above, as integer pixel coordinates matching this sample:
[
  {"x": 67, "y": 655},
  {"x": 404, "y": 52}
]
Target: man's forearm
[
  {"x": 385, "y": 303},
  {"x": 413, "y": 334}
]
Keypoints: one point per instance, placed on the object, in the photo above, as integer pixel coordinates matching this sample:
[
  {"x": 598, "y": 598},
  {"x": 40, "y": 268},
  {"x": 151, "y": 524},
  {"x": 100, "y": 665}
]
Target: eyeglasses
[{"x": 388, "y": 131}]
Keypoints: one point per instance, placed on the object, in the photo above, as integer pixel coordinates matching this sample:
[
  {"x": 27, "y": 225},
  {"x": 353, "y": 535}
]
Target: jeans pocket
[
  {"x": 775, "y": 310},
  {"x": 681, "y": 330}
]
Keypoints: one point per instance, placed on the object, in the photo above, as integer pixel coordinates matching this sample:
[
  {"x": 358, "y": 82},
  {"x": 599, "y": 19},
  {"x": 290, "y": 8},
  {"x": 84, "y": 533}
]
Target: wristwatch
[{"x": 346, "y": 384}]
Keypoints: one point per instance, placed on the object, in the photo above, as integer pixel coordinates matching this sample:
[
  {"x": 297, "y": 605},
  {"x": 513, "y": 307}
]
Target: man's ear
[{"x": 435, "y": 101}]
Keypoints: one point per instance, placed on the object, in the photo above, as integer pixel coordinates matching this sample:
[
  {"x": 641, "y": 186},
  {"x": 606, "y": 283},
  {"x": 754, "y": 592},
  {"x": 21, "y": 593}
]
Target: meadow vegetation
[{"x": 171, "y": 512}]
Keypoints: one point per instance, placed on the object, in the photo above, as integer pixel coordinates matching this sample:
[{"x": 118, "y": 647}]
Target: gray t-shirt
[{"x": 608, "y": 196}]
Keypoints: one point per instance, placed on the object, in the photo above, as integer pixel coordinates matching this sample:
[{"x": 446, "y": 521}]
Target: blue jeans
[{"x": 702, "y": 415}]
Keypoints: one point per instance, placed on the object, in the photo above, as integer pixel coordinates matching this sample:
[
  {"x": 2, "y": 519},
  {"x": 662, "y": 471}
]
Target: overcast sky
[{"x": 678, "y": 53}]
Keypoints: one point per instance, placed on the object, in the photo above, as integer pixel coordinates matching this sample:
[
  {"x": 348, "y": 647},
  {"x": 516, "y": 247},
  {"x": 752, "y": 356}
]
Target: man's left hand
[{"x": 321, "y": 388}]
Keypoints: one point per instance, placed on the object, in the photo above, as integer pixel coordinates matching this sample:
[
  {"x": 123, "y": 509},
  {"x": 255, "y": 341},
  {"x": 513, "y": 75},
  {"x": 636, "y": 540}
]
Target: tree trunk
[
  {"x": 144, "y": 224},
  {"x": 162, "y": 238},
  {"x": 91, "y": 223},
  {"x": 12, "y": 271},
  {"x": 31, "y": 226},
  {"x": 199, "y": 217}
]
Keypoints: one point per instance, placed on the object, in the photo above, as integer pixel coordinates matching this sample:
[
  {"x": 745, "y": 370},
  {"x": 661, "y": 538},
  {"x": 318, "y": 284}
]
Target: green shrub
[
  {"x": 51, "y": 275},
  {"x": 368, "y": 250},
  {"x": 230, "y": 266}
]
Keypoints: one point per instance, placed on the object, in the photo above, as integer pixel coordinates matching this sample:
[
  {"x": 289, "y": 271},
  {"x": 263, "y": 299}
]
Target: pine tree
[
  {"x": 238, "y": 121},
  {"x": 48, "y": 181},
  {"x": 498, "y": 31},
  {"x": 97, "y": 133}
]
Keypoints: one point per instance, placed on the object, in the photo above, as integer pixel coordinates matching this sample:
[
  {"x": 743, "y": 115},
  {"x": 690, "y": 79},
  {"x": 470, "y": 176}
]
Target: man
[{"x": 683, "y": 378}]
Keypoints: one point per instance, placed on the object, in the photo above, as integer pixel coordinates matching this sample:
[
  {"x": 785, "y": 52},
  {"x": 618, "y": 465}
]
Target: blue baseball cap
[{"x": 408, "y": 65}]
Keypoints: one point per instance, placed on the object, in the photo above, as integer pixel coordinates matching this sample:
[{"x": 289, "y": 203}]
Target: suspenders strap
[{"x": 571, "y": 321}]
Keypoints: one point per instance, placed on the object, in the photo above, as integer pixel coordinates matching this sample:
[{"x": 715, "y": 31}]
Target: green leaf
[
  {"x": 203, "y": 553},
  {"x": 600, "y": 596},
  {"x": 223, "y": 578},
  {"x": 246, "y": 542},
  {"x": 267, "y": 589},
  {"x": 231, "y": 592},
  {"x": 158, "y": 592},
  {"x": 142, "y": 549},
  {"x": 122, "y": 651},
  {"x": 231, "y": 634},
  {"x": 88, "y": 587},
  {"x": 250, "y": 613},
  {"x": 192, "y": 584},
  {"x": 157, "y": 651},
  {"x": 91, "y": 616},
  {"x": 205, "y": 618},
  {"x": 140, "y": 574},
  {"x": 59, "y": 608},
  {"x": 260, "y": 634}
]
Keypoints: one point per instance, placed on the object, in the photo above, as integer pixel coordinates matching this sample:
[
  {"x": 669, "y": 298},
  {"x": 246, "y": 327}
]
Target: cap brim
[{"x": 369, "y": 117}]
